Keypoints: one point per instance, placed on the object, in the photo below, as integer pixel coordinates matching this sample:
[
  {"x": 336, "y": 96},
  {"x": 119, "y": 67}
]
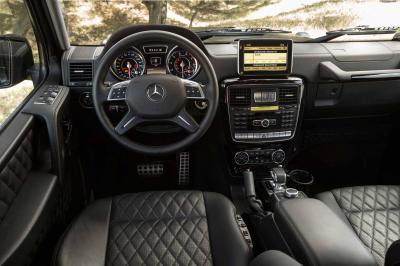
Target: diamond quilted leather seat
[
  {"x": 161, "y": 228},
  {"x": 372, "y": 211}
]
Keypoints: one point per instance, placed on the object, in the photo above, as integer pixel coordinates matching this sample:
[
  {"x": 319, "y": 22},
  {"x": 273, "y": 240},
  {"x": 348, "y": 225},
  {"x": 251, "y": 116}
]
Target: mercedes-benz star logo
[{"x": 155, "y": 93}]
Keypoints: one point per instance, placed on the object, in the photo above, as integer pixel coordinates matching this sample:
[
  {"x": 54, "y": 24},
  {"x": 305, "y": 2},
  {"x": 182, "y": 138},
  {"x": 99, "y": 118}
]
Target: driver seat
[{"x": 160, "y": 228}]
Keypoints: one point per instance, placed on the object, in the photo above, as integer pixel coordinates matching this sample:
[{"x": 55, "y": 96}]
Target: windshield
[{"x": 90, "y": 22}]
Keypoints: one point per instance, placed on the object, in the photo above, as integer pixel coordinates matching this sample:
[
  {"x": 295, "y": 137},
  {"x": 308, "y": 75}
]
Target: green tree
[
  {"x": 101, "y": 19},
  {"x": 14, "y": 18}
]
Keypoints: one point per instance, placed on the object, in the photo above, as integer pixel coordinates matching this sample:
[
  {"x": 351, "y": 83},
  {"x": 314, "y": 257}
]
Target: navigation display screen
[{"x": 263, "y": 57}]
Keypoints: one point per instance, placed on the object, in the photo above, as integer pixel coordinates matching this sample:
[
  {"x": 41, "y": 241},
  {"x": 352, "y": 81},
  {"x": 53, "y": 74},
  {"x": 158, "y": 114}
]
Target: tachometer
[
  {"x": 181, "y": 63},
  {"x": 129, "y": 64}
]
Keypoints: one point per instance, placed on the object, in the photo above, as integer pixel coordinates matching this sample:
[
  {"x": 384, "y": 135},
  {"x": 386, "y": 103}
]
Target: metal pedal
[
  {"x": 154, "y": 169},
  {"x": 184, "y": 169}
]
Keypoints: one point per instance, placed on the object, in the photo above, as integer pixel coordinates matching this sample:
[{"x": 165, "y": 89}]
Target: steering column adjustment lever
[{"x": 254, "y": 203}]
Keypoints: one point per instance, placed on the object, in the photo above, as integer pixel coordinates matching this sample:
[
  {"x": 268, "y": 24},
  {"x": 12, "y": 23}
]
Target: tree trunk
[
  {"x": 193, "y": 17},
  {"x": 157, "y": 11}
]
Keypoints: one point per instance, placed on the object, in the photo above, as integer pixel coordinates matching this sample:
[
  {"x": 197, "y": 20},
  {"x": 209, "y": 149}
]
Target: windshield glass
[{"x": 92, "y": 21}]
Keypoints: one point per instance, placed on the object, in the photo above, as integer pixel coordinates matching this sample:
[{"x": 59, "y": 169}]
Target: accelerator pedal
[{"x": 184, "y": 169}]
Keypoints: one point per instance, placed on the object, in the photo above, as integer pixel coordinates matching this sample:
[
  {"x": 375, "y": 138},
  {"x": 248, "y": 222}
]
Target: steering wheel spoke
[
  {"x": 129, "y": 121},
  {"x": 194, "y": 90},
  {"x": 186, "y": 121},
  {"x": 117, "y": 91}
]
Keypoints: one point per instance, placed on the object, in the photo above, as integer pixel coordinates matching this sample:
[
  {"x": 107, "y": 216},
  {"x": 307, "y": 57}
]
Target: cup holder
[{"x": 301, "y": 179}]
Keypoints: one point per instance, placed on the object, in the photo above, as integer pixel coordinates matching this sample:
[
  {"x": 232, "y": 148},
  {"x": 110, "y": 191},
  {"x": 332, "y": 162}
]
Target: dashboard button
[
  {"x": 265, "y": 123},
  {"x": 241, "y": 158}
]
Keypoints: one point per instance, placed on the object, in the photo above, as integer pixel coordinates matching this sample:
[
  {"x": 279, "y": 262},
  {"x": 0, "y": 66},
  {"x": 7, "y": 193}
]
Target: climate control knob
[
  {"x": 241, "y": 158},
  {"x": 265, "y": 123},
  {"x": 278, "y": 156}
]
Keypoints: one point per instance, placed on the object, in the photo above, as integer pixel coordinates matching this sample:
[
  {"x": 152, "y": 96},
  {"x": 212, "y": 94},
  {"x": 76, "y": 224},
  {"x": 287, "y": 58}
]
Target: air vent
[
  {"x": 240, "y": 96},
  {"x": 80, "y": 74},
  {"x": 288, "y": 96}
]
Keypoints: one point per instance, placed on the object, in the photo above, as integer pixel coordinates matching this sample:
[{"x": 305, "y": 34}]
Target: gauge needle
[
  {"x": 128, "y": 65},
  {"x": 182, "y": 65}
]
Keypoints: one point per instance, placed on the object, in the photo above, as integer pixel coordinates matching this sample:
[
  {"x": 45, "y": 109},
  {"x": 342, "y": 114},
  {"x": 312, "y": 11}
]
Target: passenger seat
[{"x": 374, "y": 214}]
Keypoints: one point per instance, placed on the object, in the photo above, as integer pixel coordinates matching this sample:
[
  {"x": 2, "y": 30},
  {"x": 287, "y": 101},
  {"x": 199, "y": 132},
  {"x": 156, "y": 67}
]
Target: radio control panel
[{"x": 263, "y": 110}]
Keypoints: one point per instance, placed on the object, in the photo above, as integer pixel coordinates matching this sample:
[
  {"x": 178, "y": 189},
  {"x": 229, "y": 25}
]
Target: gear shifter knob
[{"x": 279, "y": 176}]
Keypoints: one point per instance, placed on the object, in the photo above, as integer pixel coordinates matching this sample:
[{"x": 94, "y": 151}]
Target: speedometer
[
  {"x": 129, "y": 64},
  {"x": 181, "y": 63}
]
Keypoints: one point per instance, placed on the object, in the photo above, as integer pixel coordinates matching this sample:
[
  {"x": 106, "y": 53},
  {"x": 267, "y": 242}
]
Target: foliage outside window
[{"x": 92, "y": 21}]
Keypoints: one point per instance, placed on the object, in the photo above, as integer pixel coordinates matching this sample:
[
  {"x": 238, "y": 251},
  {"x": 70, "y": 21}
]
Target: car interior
[{"x": 165, "y": 145}]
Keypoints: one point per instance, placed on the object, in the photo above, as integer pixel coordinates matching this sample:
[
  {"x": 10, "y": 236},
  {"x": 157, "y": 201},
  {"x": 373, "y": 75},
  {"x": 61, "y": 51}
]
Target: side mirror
[{"x": 16, "y": 59}]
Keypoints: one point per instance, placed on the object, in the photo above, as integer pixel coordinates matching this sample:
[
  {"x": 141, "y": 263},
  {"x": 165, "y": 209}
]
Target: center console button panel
[
  {"x": 263, "y": 110},
  {"x": 259, "y": 156}
]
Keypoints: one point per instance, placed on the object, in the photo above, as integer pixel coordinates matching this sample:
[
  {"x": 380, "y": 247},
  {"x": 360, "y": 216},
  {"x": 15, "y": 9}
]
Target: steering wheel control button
[
  {"x": 291, "y": 193},
  {"x": 241, "y": 158},
  {"x": 278, "y": 156},
  {"x": 117, "y": 94},
  {"x": 193, "y": 92}
]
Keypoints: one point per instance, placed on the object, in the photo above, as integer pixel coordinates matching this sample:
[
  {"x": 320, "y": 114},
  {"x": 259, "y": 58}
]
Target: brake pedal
[
  {"x": 184, "y": 169},
  {"x": 154, "y": 169}
]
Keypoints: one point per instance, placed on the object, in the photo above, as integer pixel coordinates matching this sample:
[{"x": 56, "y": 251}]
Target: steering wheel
[{"x": 155, "y": 98}]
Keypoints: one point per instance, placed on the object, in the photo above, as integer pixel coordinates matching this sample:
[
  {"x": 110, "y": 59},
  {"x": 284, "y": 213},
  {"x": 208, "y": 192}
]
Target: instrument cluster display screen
[{"x": 264, "y": 57}]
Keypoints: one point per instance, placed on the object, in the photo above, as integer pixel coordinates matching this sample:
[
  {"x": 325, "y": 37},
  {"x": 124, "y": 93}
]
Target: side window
[{"x": 15, "y": 21}]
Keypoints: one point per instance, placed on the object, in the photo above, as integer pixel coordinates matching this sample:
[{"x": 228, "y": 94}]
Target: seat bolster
[
  {"x": 274, "y": 258},
  {"x": 228, "y": 245},
  {"x": 330, "y": 201},
  {"x": 85, "y": 242}
]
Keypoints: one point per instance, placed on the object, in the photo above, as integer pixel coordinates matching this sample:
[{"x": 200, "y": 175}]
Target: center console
[
  {"x": 263, "y": 117},
  {"x": 263, "y": 110},
  {"x": 263, "y": 104}
]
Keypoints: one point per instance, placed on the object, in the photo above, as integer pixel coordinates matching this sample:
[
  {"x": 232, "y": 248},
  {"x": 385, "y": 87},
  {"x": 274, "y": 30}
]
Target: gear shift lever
[
  {"x": 278, "y": 184},
  {"x": 279, "y": 177}
]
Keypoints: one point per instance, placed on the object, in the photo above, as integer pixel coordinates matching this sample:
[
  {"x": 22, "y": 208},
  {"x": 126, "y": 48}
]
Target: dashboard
[
  {"x": 331, "y": 84},
  {"x": 154, "y": 58},
  {"x": 331, "y": 90}
]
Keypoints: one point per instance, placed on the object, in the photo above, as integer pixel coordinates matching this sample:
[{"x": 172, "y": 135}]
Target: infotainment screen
[{"x": 264, "y": 57}]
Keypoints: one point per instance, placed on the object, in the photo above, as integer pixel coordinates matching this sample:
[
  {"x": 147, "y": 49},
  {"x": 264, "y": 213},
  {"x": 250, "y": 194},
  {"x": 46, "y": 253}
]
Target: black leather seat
[
  {"x": 372, "y": 211},
  {"x": 160, "y": 228}
]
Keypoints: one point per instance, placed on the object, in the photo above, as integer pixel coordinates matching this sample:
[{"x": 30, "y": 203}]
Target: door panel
[
  {"x": 28, "y": 195},
  {"x": 16, "y": 169}
]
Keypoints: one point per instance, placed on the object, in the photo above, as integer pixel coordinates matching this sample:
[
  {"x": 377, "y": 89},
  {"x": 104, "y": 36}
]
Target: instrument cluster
[{"x": 155, "y": 58}]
